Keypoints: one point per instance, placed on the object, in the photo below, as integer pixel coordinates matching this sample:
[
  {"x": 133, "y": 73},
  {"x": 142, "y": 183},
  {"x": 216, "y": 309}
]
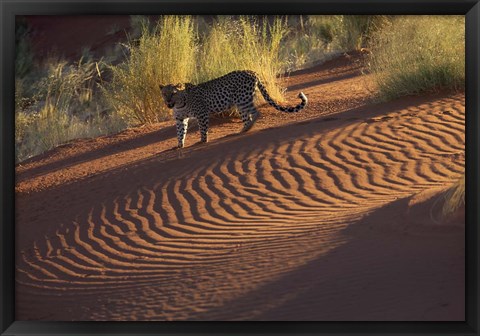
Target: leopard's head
[{"x": 173, "y": 94}]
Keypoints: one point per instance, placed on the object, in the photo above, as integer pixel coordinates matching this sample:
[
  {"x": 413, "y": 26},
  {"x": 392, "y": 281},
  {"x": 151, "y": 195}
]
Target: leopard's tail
[{"x": 290, "y": 109}]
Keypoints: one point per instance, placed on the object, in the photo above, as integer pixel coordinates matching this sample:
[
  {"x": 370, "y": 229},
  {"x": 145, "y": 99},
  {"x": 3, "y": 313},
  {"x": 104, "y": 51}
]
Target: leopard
[{"x": 215, "y": 96}]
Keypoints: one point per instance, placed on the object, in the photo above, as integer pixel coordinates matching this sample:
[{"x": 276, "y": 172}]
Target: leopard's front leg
[{"x": 182, "y": 126}]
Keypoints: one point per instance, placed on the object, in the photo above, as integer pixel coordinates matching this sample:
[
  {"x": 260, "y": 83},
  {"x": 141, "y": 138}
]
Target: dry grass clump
[
  {"x": 414, "y": 54},
  {"x": 454, "y": 198},
  {"x": 318, "y": 38},
  {"x": 61, "y": 104},
  {"x": 164, "y": 55},
  {"x": 245, "y": 43},
  {"x": 346, "y": 32}
]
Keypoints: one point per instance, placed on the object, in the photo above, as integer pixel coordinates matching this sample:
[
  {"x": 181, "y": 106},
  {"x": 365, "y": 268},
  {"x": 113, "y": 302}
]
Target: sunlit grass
[
  {"x": 244, "y": 44},
  {"x": 161, "y": 56},
  {"x": 454, "y": 198},
  {"x": 65, "y": 106},
  {"x": 414, "y": 54}
]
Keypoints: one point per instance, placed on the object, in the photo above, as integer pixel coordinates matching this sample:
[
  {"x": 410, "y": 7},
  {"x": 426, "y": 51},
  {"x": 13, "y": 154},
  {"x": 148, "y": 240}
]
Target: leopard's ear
[{"x": 180, "y": 86}]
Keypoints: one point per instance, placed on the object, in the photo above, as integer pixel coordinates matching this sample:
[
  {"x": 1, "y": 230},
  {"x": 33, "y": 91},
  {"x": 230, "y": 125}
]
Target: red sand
[{"x": 328, "y": 214}]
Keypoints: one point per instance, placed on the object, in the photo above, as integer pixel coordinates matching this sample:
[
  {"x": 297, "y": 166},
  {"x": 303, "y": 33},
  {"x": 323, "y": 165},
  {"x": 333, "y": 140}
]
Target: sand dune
[{"x": 305, "y": 221}]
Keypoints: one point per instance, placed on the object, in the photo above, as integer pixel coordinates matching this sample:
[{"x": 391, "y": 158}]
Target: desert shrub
[
  {"x": 67, "y": 87},
  {"x": 355, "y": 31},
  {"x": 138, "y": 24},
  {"x": 330, "y": 30},
  {"x": 244, "y": 44},
  {"x": 414, "y": 54},
  {"x": 303, "y": 45},
  {"x": 65, "y": 106},
  {"x": 37, "y": 133},
  {"x": 454, "y": 198},
  {"x": 163, "y": 55},
  {"x": 321, "y": 37},
  {"x": 345, "y": 32}
]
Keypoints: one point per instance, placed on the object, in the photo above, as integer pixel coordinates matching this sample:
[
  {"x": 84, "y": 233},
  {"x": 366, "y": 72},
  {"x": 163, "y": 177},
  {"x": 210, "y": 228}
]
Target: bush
[
  {"x": 65, "y": 106},
  {"x": 416, "y": 54},
  {"x": 164, "y": 55},
  {"x": 138, "y": 24},
  {"x": 454, "y": 198},
  {"x": 345, "y": 32},
  {"x": 325, "y": 36},
  {"x": 244, "y": 44}
]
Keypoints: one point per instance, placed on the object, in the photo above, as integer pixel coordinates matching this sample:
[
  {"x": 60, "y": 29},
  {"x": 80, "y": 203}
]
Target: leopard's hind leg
[
  {"x": 203, "y": 122},
  {"x": 249, "y": 114}
]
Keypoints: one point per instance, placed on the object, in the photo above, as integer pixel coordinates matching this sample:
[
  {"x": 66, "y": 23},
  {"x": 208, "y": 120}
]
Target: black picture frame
[{"x": 10, "y": 8}]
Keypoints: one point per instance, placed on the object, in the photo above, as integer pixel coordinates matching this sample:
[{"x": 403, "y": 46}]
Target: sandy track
[{"x": 308, "y": 221}]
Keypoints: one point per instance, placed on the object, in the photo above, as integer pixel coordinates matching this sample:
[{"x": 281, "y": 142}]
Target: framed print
[{"x": 234, "y": 168}]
